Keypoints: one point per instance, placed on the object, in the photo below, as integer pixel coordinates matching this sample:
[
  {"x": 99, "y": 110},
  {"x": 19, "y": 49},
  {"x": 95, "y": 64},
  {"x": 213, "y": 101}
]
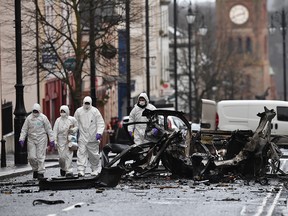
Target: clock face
[{"x": 239, "y": 14}]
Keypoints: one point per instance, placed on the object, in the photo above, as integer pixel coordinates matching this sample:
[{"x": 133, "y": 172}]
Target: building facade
[{"x": 51, "y": 91}]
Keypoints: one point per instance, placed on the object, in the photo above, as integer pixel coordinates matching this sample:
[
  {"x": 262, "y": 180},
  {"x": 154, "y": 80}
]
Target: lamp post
[
  {"x": 37, "y": 52},
  {"x": 190, "y": 19},
  {"x": 20, "y": 155},
  {"x": 175, "y": 54},
  {"x": 147, "y": 48},
  {"x": 128, "y": 66},
  {"x": 201, "y": 31},
  {"x": 281, "y": 16},
  {"x": 92, "y": 53}
]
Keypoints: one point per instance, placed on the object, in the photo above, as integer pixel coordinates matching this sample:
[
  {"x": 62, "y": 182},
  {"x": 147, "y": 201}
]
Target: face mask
[
  {"x": 86, "y": 106},
  {"x": 142, "y": 103},
  {"x": 36, "y": 114},
  {"x": 63, "y": 114}
]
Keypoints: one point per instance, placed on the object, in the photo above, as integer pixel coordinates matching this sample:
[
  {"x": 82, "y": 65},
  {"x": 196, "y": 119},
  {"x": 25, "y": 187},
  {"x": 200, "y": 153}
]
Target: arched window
[
  {"x": 249, "y": 45},
  {"x": 230, "y": 44},
  {"x": 239, "y": 45}
]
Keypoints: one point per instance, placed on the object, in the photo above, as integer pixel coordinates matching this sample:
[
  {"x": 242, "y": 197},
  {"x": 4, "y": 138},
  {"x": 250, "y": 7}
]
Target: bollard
[{"x": 3, "y": 153}]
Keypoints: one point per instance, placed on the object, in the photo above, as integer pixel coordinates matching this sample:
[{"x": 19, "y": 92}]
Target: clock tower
[{"x": 242, "y": 31}]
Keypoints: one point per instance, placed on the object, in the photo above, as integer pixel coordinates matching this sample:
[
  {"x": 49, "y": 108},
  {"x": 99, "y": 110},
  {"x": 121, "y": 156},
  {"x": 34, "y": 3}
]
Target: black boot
[
  {"x": 40, "y": 175},
  {"x": 69, "y": 175},
  {"x": 35, "y": 174},
  {"x": 62, "y": 172}
]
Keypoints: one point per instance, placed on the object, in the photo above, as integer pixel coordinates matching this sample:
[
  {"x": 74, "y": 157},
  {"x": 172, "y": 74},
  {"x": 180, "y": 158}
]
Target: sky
[
  {"x": 276, "y": 5},
  {"x": 272, "y": 5}
]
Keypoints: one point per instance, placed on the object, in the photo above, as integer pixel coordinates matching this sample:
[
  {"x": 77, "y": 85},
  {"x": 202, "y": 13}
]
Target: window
[
  {"x": 132, "y": 85},
  {"x": 239, "y": 45},
  {"x": 230, "y": 44},
  {"x": 249, "y": 45},
  {"x": 282, "y": 113}
]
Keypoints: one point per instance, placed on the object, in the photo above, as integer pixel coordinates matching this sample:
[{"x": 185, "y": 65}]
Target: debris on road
[{"x": 48, "y": 202}]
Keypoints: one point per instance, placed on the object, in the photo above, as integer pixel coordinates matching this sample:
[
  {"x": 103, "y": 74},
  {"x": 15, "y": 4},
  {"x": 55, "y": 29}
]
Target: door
[{"x": 208, "y": 115}]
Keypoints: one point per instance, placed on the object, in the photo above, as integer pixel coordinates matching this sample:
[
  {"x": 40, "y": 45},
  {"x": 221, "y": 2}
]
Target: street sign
[
  {"x": 70, "y": 64},
  {"x": 49, "y": 57}
]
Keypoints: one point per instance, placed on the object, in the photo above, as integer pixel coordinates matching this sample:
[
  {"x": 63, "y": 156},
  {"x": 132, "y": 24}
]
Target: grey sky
[{"x": 272, "y": 5}]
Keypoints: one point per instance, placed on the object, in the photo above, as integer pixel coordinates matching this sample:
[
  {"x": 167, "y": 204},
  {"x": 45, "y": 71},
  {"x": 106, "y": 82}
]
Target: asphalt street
[
  {"x": 158, "y": 194},
  {"x": 155, "y": 195}
]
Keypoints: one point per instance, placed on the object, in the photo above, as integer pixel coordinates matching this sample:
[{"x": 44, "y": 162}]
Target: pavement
[{"x": 12, "y": 170}]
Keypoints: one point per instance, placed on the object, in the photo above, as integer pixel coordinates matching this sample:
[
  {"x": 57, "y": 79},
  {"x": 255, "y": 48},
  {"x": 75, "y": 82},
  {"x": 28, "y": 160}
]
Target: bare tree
[
  {"x": 216, "y": 67},
  {"x": 65, "y": 44}
]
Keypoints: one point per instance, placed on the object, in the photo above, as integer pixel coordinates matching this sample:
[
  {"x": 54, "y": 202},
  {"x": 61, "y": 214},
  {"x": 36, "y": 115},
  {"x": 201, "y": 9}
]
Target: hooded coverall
[
  {"x": 64, "y": 126},
  {"x": 90, "y": 123},
  {"x": 36, "y": 128},
  {"x": 136, "y": 116}
]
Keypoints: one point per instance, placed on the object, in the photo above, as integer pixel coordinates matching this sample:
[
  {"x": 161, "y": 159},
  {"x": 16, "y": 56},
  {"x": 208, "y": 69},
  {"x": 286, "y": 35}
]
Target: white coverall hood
[
  {"x": 66, "y": 109},
  {"x": 89, "y": 100},
  {"x": 37, "y": 107},
  {"x": 143, "y": 103},
  {"x": 144, "y": 95}
]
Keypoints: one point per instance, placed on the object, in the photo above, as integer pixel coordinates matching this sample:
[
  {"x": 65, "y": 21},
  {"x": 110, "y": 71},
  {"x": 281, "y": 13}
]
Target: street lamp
[
  {"x": 175, "y": 53},
  {"x": 281, "y": 16},
  {"x": 128, "y": 59},
  {"x": 202, "y": 30},
  {"x": 37, "y": 52},
  {"x": 92, "y": 53},
  {"x": 147, "y": 48},
  {"x": 20, "y": 155},
  {"x": 190, "y": 19}
]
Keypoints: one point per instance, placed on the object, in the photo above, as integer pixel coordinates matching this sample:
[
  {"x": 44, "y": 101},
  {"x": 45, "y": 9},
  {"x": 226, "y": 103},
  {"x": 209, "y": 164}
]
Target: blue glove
[
  {"x": 130, "y": 133},
  {"x": 155, "y": 131},
  {"x": 21, "y": 142},
  {"x": 52, "y": 144},
  {"x": 98, "y": 136}
]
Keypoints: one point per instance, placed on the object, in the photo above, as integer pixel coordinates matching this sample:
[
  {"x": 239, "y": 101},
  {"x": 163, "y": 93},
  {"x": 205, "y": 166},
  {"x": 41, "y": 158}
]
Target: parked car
[
  {"x": 121, "y": 135},
  {"x": 175, "y": 122},
  {"x": 123, "y": 120}
]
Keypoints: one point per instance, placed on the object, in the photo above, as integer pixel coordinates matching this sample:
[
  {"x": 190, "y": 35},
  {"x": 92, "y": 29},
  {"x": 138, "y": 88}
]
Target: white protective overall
[
  {"x": 90, "y": 123},
  {"x": 64, "y": 126},
  {"x": 36, "y": 128},
  {"x": 136, "y": 116}
]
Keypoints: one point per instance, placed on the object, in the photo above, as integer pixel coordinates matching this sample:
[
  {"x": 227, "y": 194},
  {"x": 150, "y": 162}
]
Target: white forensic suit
[
  {"x": 136, "y": 116},
  {"x": 36, "y": 127},
  {"x": 90, "y": 123},
  {"x": 65, "y": 125}
]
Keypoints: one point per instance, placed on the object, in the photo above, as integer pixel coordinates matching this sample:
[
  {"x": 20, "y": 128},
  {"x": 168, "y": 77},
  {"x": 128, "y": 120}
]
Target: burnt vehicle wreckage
[{"x": 198, "y": 155}]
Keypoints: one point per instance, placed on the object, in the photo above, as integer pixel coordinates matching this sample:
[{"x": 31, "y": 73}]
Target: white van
[
  {"x": 231, "y": 115},
  {"x": 209, "y": 115}
]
